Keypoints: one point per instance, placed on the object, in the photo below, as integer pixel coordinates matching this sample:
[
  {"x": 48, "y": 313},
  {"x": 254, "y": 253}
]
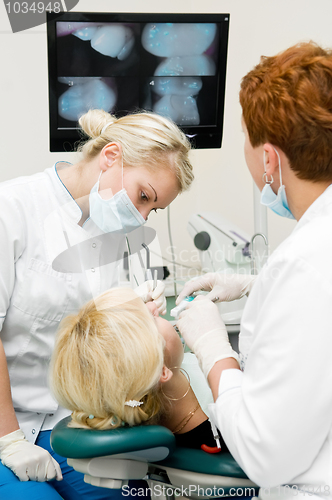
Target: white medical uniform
[
  {"x": 38, "y": 221},
  {"x": 197, "y": 381},
  {"x": 276, "y": 415}
]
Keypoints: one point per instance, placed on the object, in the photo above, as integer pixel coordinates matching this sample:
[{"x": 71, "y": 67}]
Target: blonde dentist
[
  {"x": 129, "y": 166},
  {"x": 273, "y": 402}
]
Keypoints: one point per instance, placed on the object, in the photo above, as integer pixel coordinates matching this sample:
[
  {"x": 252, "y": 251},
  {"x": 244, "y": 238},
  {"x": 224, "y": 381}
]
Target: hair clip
[
  {"x": 133, "y": 403},
  {"x": 114, "y": 420},
  {"x": 105, "y": 127}
]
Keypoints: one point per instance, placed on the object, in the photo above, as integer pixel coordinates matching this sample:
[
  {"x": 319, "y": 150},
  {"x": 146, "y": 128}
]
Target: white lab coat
[
  {"x": 276, "y": 415},
  {"x": 38, "y": 221}
]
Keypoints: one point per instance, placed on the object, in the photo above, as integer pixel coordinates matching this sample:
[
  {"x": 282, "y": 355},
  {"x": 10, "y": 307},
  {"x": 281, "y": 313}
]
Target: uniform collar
[
  {"x": 67, "y": 202},
  {"x": 316, "y": 208}
]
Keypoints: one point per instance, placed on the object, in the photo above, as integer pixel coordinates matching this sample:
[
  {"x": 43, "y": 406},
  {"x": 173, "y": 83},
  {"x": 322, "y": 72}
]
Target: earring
[
  {"x": 265, "y": 179},
  {"x": 188, "y": 378}
]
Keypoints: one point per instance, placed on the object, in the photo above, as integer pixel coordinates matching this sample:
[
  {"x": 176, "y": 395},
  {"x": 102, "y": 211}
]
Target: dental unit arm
[{"x": 222, "y": 247}]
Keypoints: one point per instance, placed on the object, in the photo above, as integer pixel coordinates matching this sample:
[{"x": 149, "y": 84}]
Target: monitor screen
[{"x": 171, "y": 64}]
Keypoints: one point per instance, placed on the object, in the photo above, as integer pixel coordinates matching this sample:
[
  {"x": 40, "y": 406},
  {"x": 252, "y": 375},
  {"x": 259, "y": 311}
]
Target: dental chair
[{"x": 111, "y": 458}]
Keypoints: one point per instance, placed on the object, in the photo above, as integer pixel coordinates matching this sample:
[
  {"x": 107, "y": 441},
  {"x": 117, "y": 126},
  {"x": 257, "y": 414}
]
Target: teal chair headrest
[{"x": 71, "y": 442}]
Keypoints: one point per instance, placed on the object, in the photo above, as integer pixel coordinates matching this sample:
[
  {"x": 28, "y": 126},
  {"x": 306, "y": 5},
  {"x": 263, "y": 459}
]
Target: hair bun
[{"x": 94, "y": 121}]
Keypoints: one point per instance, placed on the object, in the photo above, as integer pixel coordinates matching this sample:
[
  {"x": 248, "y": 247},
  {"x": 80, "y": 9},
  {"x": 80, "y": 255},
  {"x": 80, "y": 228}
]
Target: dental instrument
[
  {"x": 155, "y": 278},
  {"x": 176, "y": 311},
  {"x": 148, "y": 272}
]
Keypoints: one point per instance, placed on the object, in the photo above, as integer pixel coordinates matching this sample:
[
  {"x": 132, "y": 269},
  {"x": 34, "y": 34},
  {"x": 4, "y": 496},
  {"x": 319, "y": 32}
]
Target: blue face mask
[
  {"x": 117, "y": 214},
  {"x": 276, "y": 202}
]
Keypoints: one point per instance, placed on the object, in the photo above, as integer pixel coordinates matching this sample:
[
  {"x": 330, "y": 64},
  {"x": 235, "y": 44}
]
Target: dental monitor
[{"x": 171, "y": 64}]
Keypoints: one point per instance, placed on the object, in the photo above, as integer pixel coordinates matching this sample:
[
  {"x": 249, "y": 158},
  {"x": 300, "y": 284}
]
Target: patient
[{"x": 118, "y": 363}]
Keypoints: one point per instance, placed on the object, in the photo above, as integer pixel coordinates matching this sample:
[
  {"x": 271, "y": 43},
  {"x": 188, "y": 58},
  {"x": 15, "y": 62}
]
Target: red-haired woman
[{"x": 275, "y": 412}]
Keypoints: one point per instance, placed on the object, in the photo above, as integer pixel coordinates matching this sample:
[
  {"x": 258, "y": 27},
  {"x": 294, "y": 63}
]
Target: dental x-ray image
[
  {"x": 184, "y": 59},
  {"x": 187, "y": 101},
  {"x": 104, "y": 49},
  {"x": 85, "y": 93},
  {"x": 184, "y": 45},
  {"x": 176, "y": 69},
  {"x": 90, "y": 49},
  {"x": 79, "y": 94}
]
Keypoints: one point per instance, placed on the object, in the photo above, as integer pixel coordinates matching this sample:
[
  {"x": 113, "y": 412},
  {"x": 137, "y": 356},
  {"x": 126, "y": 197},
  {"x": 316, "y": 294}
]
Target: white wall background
[{"x": 222, "y": 182}]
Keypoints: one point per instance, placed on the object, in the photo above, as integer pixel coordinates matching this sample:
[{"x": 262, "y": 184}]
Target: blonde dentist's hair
[
  {"x": 147, "y": 139},
  {"x": 109, "y": 353}
]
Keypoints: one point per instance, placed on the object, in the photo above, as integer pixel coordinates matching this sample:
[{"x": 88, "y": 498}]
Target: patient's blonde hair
[
  {"x": 109, "y": 353},
  {"x": 146, "y": 139}
]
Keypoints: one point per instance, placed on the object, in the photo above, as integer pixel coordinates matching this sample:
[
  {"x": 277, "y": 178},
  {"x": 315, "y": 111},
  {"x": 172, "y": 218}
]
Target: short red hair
[{"x": 287, "y": 101}]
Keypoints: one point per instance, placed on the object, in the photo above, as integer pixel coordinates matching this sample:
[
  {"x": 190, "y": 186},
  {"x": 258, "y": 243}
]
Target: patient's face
[{"x": 174, "y": 347}]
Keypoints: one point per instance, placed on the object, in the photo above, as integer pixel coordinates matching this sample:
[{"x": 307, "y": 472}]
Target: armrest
[{"x": 200, "y": 462}]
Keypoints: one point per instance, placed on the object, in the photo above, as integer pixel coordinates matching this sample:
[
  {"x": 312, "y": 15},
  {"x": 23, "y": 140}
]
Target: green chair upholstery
[
  {"x": 70, "y": 442},
  {"x": 218, "y": 464},
  {"x": 110, "y": 458}
]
